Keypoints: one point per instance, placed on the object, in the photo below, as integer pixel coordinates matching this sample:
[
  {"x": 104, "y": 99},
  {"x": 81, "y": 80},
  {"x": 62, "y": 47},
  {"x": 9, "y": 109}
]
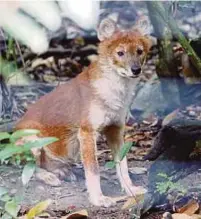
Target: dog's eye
[
  {"x": 139, "y": 51},
  {"x": 120, "y": 53}
]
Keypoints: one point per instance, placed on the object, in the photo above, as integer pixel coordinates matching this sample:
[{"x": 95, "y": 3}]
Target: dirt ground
[{"x": 71, "y": 195}]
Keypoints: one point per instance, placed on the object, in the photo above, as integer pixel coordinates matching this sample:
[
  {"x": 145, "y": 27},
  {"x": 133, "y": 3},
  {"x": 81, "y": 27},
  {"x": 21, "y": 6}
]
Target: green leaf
[
  {"x": 125, "y": 149},
  {"x": 110, "y": 164},
  {"x": 9, "y": 151},
  {"x": 21, "y": 133},
  {"x": 39, "y": 143},
  {"x": 164, "y": 175},
  {"x": 7, "y": 68},
  {"x": 5, "y": 162},
  {"x": 19, "y": 198},
  {"x": 6, "y": 216},
  {"x": 198, "y": 144},
  {"x": 3, "y": 191},
  {"x": 4, "y": 135},
  {"x": 30, "y": 158},
  {"x": 12, "y": 208},
  {"x": 28, "y": 172},
  {"x": 10, "y": 48},
  {"x": 5, "y": 198},
  {"x": 2, "y": 146}
]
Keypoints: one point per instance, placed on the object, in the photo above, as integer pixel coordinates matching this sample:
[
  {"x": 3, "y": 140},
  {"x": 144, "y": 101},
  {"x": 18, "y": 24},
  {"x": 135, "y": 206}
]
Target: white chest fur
[{"x": 114, "y": 95}]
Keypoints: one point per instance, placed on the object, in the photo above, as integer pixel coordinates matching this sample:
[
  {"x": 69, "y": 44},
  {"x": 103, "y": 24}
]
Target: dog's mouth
[
  {"x": 134, "y": 76},
  {"x": 129, "y": 76}
]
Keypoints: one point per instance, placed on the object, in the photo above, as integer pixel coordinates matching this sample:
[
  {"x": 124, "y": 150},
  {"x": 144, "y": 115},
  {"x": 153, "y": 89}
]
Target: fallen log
[{"x": 175, "y": 158}]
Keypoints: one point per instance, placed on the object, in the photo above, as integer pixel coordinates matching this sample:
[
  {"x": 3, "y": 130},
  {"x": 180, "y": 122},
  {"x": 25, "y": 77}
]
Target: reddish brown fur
[
  {"x": 128, "y": 41},
  {"x": 125, "y": 38},
  {"x": 63, "y": 113},
  {"x": 88, "y": 152},
  {"x": 112, "y": 136}
]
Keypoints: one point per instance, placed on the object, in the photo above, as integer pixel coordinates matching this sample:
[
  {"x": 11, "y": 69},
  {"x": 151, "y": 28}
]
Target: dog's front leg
[
  {"x": 87, "y": 138},
  {"x": 114, "y": 136}
]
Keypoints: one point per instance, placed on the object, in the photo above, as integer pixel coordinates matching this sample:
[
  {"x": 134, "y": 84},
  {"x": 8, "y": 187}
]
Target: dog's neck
[{"x": 113, "y": 89}]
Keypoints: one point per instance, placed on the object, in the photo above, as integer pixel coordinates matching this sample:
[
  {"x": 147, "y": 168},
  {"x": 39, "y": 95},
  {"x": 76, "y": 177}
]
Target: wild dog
[{"x": 96, "y": 101}]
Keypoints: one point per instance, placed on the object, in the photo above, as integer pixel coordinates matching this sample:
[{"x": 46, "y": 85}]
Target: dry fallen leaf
[
  {"x": 132, "y": 201},
  {"x": 38, "y": 209},
  {"x": 128, "y": 139},
  {"x": 119, "y": 198},
  {"x": 170, "y": 117},
  {"x": 82, "y": 214},
  {"x": 128, "y": 128},
  {"x": 167, "y": 215},
  {"x": 190, "y": 208}
]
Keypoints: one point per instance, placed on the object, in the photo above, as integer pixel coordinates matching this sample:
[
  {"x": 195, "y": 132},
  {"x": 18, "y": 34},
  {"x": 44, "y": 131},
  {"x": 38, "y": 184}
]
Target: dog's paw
[
  {"x": 102, "y": 201},
  {"x": 48, "y": 178}
]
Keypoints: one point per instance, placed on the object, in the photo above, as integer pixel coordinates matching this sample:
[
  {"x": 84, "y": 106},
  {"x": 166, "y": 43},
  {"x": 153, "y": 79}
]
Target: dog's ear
[
  {"x": 143, "y": 25},
  {"x": 106, "y": 29}
]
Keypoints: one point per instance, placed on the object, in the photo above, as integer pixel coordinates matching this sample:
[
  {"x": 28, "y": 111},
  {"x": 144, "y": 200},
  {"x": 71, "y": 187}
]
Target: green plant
[
  {"x": 8, "y": 62},
  {"x": 168, "y": 184},
  {"x": 21, "y": 155},
  {"x": 9, "y": 206},
  {"x": 123, "y": 152},
  {"x": 7, "y": 68}
]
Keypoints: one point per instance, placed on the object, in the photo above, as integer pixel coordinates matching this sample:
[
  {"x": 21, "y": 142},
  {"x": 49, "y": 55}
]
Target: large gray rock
[{"x": 150, "y": 99}]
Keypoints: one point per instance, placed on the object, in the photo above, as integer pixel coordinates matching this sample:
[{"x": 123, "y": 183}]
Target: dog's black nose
[{"x": 136, "y": 70}]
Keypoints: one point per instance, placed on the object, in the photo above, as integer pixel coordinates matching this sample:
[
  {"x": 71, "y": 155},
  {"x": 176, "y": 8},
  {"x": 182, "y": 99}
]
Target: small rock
[
  {"x": 13, "y": 180},
  {"x": 186, "y": 27},
  {"x": 40, "y": 188},
  {"x": 13, "y": 191},
  {"x": 138, "y": 170},
  {"x": 49, "y": 78},
  {"x": 192, "y": 113}
]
